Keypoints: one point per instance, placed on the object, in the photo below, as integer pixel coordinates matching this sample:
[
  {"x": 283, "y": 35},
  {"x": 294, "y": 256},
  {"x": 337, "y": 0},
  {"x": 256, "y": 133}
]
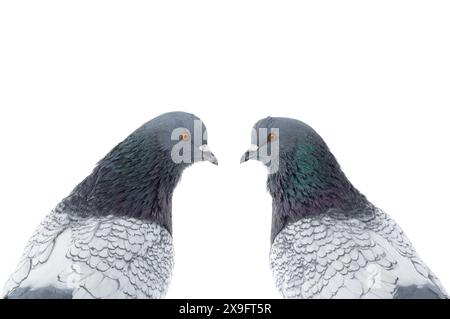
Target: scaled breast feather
[{"x": 103, "y": 257}]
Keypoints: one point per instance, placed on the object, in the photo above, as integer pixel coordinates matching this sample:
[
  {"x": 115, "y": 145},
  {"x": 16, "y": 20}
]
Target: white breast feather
[
  {"x": 334, "y": 256},
  {"x": 97, "y": 257}
]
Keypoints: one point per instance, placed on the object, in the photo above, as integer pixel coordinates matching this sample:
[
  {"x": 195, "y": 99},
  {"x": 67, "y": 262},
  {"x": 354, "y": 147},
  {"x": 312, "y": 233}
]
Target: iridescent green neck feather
[{"x": 309, "y": 182}]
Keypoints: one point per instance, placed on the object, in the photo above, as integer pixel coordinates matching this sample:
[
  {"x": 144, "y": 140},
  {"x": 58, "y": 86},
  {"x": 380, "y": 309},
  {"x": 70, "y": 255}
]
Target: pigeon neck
[
  {"x": 307, "y": 185},
  {"x": 139, "y": 186}
]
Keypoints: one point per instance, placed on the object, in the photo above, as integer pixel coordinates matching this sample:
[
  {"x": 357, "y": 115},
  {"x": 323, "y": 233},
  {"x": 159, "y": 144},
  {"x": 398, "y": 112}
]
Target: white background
[{"x": 372, "y": 77}]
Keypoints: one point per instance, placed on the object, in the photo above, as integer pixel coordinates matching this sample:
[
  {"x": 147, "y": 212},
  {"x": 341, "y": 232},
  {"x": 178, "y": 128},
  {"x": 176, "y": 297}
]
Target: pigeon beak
[
  {"x": 207, "y": 155},
  {"x": 252, "y": 153}
]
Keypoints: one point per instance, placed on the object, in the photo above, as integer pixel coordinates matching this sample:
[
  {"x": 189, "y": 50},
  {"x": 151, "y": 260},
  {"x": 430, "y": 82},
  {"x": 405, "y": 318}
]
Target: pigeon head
[
  {"x": 304, "y": 177},
  {"x": 137, "y": 178},
  {"x": 273, "y": 136},
  {"x": 180, "y": 134}
]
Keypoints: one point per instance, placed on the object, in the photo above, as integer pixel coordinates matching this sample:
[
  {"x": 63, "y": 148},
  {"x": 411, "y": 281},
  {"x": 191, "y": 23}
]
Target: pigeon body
[
  {"x": 328, "y": 240},
  {"x": 111, "y": 237}
]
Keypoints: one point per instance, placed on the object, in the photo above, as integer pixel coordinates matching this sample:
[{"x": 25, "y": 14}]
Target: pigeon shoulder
[
  {"x": 384, "y": 226},
  {"x": 94, "y": 257},
  {"x": 38, "y": 250},
  {"x": 362, "y": 254}
]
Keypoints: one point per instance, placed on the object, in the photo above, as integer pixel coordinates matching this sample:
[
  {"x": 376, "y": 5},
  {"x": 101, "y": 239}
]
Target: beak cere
[
  {"x": 207, "y": 155},
  {"x": 252, "y": 153}
]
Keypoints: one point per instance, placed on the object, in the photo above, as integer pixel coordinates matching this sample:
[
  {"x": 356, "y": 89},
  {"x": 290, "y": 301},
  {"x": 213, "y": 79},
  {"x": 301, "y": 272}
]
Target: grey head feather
[
  {"x": 309, "y": 180},
  {"x": 138, "y": 176}
]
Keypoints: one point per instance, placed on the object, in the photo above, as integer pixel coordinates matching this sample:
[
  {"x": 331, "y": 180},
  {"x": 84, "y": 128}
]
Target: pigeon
[
  {"x": 327, "y": 240},
  {"x": 111, "y": 238}
]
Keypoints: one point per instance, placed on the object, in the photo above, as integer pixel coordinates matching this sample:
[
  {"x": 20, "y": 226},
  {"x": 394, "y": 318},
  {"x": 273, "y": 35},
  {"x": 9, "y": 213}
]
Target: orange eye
[
  {"x": 272, "y": 137},
  {"x": 184, "y": 137}
]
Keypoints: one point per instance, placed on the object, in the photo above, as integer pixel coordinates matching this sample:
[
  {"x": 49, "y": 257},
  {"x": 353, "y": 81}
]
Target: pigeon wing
[
  {"x": 95, "y": 257},
  {"x": 357, "y": 255},
  {"x": 37, "y": 252}
]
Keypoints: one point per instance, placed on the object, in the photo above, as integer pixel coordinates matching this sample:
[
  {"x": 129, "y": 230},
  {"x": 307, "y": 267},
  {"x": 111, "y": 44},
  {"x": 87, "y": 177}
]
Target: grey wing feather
[
  {"x": 415, "y": 292},
  {"x": 385, "y": 226},
  {"x": 337, "y": 256},
  {"x": 40, "y": 293},
  {"x": 119, "y": 258},
  {"x": 38, "y": 249},
  {"x": 97, "y": 257}
]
